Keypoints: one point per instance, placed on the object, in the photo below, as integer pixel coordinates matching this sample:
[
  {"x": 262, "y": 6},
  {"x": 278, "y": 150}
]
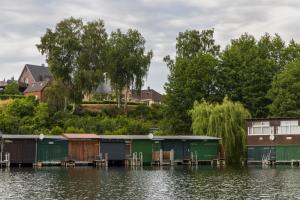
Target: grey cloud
[{"x": 23, "y": 22}]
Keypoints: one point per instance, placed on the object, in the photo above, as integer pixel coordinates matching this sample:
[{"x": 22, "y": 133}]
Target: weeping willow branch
[{"x": 224, "y": 120}]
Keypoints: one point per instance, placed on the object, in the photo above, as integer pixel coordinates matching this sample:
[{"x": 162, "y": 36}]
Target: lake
[{"x": 180, "y": 182}]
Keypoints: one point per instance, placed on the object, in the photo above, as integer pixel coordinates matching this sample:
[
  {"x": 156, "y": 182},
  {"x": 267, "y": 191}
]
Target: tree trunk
[
  {"x": 118, "y": 99},
  {"x": 126, "y": 96},
  {"x": 65, "y": 105}
]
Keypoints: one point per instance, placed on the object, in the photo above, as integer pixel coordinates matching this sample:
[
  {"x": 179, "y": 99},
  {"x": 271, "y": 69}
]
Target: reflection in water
[{"x": 150, "y": 183}]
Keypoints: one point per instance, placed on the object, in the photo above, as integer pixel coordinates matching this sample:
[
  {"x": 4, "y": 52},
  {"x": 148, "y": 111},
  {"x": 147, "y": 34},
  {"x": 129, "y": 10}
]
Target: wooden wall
[
  {"x": 84, "y": 150},
  {"x": 22, "y": 151}
]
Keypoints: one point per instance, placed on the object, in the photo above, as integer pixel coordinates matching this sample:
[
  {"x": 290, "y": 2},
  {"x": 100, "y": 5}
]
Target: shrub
[{"x": 56, "y": 130}]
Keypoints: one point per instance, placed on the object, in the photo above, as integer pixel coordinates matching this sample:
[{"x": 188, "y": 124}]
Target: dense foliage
[
  {"x": 27, "y": 116},
  {"x": 12, "y": 89},
  {"x": 79, "y": 54},
  {"x": 224, "y": 120},
  {"x": 244, "y": 71},
  {"x": 192, "y": 77},
  {"x": 285, "y": 93},
  {"x": 128, "y": 62}
]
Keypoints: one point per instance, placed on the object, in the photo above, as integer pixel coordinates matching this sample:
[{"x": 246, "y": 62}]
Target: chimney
[
  {"x": 43, "y": 64},
  {"x": 148, "y": 88}
]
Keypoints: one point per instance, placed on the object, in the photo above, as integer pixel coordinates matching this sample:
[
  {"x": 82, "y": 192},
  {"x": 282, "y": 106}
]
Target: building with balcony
[{"x": 273, "y": 139}]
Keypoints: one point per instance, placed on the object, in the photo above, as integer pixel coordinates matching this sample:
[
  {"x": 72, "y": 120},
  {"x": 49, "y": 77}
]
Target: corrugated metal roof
[
  {"x": 186, "y": 137},
  {"x": 58, "y": 137},
  {"x": 124, "y": 137},
  {"x": 80, "y": 136},
  {"x": 175, "y": 137},
  {"x": 8, "y": 136}
]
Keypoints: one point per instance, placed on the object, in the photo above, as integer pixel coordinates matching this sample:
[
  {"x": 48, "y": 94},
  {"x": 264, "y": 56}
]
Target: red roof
[
  {"x": 148, "y": 94},
  {"x": 81, "y": 136}
]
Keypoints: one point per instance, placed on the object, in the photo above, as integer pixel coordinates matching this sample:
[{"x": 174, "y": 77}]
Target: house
[
  {"x": 4, "y": 83},
  {"x": 36, "y": 89},
  {"x": 34, "y": 79},
  {"x": 32, "y": 74},
  {"x": 273, "y": 140},
  {"x": 149, "y": 96}
]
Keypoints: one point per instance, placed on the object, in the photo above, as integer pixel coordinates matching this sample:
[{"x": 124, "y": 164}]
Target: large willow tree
[{"x": 224, "y": 120}]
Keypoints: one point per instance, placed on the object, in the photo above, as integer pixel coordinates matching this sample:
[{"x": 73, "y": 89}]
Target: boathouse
[
  {"x": 273, "y": 140},
  {"x": 204, "y": 148},
  {"x": 157, "y": 149},
  {"x": 83, "y": 148},
  {"x": 144, "y": 146},
  {"x": 121, "y": 147},
  {"x": 52, "y": 149},
  {"x": 21, "y": 148}
]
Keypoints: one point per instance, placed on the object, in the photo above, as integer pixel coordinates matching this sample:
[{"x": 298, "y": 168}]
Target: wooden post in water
[
  {"x": 196, "y": 157},
  {"x": 172, "y": 157},
  {"x": 106, "y": 159},
  {"x": 1, "y": 149},
  {"x": 192, "y": 158},
  {"x": 141, "y": 158},
  {"x": 161, "y": 159}
]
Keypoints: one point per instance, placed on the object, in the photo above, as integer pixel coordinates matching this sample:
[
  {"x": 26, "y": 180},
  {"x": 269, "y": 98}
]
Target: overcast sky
[{"x": 22, "y": 22}]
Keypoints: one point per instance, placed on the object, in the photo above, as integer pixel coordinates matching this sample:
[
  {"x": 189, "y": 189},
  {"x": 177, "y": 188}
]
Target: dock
[
  {"x": 101, "y": 161},
  {"x": 4, "y": 160}
]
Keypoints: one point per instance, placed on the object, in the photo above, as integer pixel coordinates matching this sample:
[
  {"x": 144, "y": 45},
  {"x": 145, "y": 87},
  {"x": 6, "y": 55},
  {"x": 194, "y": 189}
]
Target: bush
[
  {"x": 56, "y": 130},
  {"x": 120, "y": 131},
  {"x": 74, "y": 130}
]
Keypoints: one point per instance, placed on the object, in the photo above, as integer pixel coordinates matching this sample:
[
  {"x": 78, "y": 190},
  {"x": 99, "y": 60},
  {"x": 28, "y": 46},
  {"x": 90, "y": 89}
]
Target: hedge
[
  {"x": 111, "y": 102},
  {"x": 11, "y": 96}
]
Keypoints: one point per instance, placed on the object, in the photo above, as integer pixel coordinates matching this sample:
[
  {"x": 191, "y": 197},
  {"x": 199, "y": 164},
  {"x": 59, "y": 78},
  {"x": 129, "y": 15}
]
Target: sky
[{"x": 23, "y": 22}]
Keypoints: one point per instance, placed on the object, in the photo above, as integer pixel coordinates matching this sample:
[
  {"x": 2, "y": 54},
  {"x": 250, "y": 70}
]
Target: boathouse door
[{"x": 116, "y": 149}]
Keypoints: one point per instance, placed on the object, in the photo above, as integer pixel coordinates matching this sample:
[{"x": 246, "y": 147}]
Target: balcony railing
[
  {"x": 261, "y": 130},
  {"x": 285, "y": 130}
]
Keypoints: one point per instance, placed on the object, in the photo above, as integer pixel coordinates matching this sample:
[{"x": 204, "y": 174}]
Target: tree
[
  {"x": 75, "y": 53},
  {"x": 128, "y": 62},
  {"x": 41, "y": 116},
  {"x": 12, "y": 89},
  {"x": 192, "y": 77},
  {"x": 56, "y": 96},
  {"x": 248, "y": 68},
  {"x": 284, "y": 93},
  {"x": 246, "y": 73},
  {"x": 224, "y": 120},
  {"x": 93, "y": 58}
]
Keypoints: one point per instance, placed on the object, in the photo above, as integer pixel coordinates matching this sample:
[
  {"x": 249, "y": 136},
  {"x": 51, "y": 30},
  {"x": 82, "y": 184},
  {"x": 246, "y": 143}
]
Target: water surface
[{"x": 180, "y": 182}]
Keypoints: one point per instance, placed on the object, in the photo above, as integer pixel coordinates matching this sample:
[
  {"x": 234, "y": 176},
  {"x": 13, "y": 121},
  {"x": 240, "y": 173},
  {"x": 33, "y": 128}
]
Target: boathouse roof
[
  {"x": 186, "y": 137},
  {"x": 9, "y": 136},
  {"x": 143, "y": 137},
  {"x": 80, "y": 136}
]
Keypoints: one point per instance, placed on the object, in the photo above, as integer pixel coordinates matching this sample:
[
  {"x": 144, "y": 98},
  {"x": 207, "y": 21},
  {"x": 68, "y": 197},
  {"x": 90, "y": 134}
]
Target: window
[
  {"x": 261, "y": 128},
  {"x": 260, "y": 124},
  {"x": 289, "y": 127},
  {"x": 289, "y": 123}
]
